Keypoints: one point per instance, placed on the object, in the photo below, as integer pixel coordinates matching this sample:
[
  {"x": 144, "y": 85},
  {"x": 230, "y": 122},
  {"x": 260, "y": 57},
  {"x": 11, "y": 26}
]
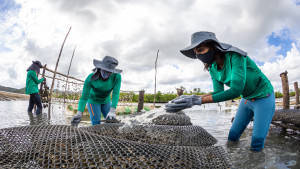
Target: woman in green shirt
[
  {"x": 98, "y": 86},
  {"x": 31, "y": 88},
  {"x": 231, "y": 66}
]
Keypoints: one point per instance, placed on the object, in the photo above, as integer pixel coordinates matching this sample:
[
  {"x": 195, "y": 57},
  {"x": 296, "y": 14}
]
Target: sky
[{"x": 133, "y": 32}]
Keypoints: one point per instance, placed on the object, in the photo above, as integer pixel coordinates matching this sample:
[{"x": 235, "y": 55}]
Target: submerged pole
[
  {"x": 141, "y": 101},
  {"x": 285, "y": 90}
]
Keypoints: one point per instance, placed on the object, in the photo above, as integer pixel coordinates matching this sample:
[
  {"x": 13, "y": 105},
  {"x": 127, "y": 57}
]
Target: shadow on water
[{"x": 281, "y": 146}]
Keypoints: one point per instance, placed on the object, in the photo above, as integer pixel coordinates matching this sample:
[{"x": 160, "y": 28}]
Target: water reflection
[{"x": 38, "y": 119}]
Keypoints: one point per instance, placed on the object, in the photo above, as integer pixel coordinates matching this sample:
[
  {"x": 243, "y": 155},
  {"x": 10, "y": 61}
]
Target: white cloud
[
  {"x": 133, "y": 31},
  {"x": 289, "y": 63}
]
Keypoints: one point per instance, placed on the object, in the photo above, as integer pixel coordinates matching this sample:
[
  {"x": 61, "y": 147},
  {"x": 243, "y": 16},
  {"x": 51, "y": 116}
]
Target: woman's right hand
[{"x": 76, "y": 119}]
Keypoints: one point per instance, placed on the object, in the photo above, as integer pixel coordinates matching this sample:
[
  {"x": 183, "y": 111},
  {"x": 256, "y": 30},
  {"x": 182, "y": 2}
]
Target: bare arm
[{"x": 207, "y": 98}]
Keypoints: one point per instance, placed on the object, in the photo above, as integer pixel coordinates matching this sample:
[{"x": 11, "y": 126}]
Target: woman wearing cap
[
  {"x": 98, "y": 86},
  {"x": 31, "y": 88},
  {"x": 231, "y": 66}
]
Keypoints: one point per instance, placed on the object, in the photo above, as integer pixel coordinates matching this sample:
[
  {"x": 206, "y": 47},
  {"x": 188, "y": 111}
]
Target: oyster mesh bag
[
  {"x": 172, "y": 119},
  {"x": 291, "y": 116},
  {"x": 61, "y": 146},
  {"x": 156, "y": 134}
]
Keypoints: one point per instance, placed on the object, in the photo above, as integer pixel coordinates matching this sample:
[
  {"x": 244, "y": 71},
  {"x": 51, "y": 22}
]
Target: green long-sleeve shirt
[
  {"x": 243, "y": 77},
  {"x": 32, "y": 82},
  {"x": 98, "y": 91}
]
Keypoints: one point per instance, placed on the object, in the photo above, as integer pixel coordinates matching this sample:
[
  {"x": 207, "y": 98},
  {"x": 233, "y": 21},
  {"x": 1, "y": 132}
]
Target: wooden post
[
  {"x": 285, "y": 90},
  {"x": 68, "y": 76},
  {"x": 141, "y": 101},
  {"x": 155, "y": 78},
  {"x": 296, "y": 95},
  {"x": 43, "y": 75},
  {"x": 62, "y": 46}
]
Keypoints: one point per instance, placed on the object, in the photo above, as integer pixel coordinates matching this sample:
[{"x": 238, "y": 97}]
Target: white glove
[{"x": 111, "y": 114}]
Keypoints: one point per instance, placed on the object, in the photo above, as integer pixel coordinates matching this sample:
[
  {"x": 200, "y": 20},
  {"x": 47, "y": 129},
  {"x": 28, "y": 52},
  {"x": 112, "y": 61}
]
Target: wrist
[
  {"x": 112, "y": 109},
  {"x": 198, "y": 101}
]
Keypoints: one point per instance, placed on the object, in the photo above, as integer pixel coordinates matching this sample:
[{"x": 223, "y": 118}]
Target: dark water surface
[{"x": 281, "y": 150}]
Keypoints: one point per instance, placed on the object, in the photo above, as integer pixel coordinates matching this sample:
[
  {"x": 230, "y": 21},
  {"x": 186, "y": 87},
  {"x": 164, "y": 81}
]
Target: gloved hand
[
  {"x": 111, "y": 114},
  {"x": 183, "y": 102},
  {"x": 76, "y": 119}
]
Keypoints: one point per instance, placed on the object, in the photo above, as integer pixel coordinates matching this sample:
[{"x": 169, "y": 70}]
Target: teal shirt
[
  {"x": 98, "y": 91},
  {"x": 32, "y": 82},
  {"x": 243, "y": 77}
]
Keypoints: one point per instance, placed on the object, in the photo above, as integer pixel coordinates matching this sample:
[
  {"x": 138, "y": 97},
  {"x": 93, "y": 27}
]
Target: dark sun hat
[
  {"x": 203, "y": 36},
  {"x": 108, "y": 63},
  {"x": 35, "y": 66}
]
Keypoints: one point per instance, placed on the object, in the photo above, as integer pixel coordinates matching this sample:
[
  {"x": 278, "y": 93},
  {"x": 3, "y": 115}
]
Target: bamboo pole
[
  {"x": 62, "y": 46},
  {"x": 155, "y": 78},
  {"x": 70, "y": 77},
  {"x": 285, "y": 90},
  {"x": 66, "y": 86},
  {"x": 63, "y": 80}
]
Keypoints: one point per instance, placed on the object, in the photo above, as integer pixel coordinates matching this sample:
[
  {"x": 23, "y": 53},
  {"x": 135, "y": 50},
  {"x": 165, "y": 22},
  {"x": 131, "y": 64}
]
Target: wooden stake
[
  {"x": 66, "y": 86},
  {"x": 285, "y": 90},
  {"x": 141, "y": 101},
  {"x": 155, "y": 78},
  {"x": 62, "y": 46}
]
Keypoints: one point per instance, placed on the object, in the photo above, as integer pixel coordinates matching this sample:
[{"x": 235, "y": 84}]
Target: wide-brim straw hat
[
  {"x": 203, "y": 36},
  {"x": 108, "y": 63}
]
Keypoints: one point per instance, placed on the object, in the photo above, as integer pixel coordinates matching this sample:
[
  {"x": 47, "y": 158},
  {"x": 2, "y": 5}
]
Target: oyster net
[
  {"x": 156, "y": 134},
  {"x": 172, "y": 119},
  {"x": 60, "y": 146},
  {"x": 291, "y": 116}
]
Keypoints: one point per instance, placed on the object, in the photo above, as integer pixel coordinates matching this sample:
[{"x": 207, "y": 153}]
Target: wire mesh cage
[
  {"x": 172, "y": 119},
  {"x": 59, "y": 146},
  {"x": 156, "y": 134}
]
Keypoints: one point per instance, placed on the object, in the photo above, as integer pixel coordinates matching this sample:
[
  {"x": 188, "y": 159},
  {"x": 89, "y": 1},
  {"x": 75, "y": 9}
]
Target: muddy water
[{"x": 281, "y": 150}]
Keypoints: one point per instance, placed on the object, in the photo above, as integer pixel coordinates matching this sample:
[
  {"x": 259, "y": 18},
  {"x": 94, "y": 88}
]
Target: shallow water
[{"x": 281, "y": 147}]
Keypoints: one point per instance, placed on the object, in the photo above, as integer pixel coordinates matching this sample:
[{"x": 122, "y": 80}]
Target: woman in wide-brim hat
[
  {"x": 97, "y": 88},
  {"x": 231, "y": 66},
  {"x": 31, "y": 88}
]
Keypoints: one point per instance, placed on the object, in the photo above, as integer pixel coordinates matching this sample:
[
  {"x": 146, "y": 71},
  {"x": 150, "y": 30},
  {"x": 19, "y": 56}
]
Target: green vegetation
[
  {"x": 146, "y": 108},
  {"x": 73, "y": 96},
  {"x": 160, "y": 97},
  {"x": 13, "y": 90}
]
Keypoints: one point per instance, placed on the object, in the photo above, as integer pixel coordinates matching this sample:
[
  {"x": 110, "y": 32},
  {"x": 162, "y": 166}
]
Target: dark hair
[{"x": 218, "y": 53}]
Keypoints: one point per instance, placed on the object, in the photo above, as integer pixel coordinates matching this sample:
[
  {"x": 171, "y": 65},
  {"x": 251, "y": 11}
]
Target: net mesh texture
[
  {"x": 156, "y": 134},
  {"x": 288, "y": 116},
  {"x": 61, "y": 146}
]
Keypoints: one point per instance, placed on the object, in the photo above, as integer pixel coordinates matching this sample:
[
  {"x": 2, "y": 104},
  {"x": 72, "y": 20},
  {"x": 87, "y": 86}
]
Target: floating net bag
[
  {"x": 279, "y": 115},
  {"x": 172, "y": 119},
  {"x": 156, "y": 134},
  {"x": 60, "y": 146}
]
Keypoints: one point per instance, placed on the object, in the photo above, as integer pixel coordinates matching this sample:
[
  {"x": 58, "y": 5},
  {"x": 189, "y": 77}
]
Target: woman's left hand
[{"x": 111, "y": 114}]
